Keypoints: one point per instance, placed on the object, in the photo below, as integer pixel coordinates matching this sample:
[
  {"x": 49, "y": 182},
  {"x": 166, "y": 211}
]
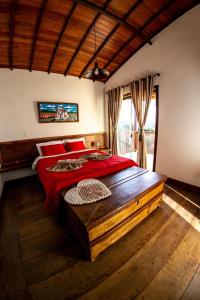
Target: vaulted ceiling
[{"x": 57, "y": 36}]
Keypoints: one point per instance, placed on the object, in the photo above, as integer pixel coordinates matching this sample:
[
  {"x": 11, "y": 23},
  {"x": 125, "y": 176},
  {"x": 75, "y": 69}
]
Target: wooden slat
[
  {"x": 153, "y": 18},
  {"x": 30, "y": 32},
  {"x": 12, "y": 30},
  {"x": 116, "y": 18},
  {"x": 123, "y": 195},
  {"x": 134, "y": 35},
  {"x": 109, "y": 36},
  {"x": 156, "y": 260},
  {"x": 68, "y": 19},
  {"x": 37, "y": 28},
  {"x": 123, "y": 228},
  {"x": 83, "y": 39},
  {"x": 124, "y": 214}
]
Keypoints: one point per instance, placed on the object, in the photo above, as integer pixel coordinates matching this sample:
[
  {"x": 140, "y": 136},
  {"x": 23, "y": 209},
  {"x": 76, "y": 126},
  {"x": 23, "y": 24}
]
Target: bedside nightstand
[{"x": 107, "y": 150}]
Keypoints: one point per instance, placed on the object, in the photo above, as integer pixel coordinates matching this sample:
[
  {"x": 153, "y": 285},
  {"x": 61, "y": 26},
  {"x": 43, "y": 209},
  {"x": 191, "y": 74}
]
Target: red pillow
[
  {"x": 52, "y": 149},
  {"x": 75, "y": 146}
]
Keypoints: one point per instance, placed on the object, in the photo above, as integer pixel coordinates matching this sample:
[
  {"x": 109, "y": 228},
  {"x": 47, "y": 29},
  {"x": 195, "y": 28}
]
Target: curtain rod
[{"x": 123, "y": 86}]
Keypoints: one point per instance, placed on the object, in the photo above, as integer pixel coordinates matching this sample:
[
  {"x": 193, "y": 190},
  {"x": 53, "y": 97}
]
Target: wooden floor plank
[
  {"x": 42, "y": 260},
  {"x": 113, "y": 284},
  {"x": 135, "y": 275},
  {"x": 173, "y": 279},
  {"x": 12, "y": 281},
  {"x": 40, "y": 227},
  {"x": 192, "y": 290},
  {"x": 110, "y": 261},
  {"x": 40, "y": 244}
]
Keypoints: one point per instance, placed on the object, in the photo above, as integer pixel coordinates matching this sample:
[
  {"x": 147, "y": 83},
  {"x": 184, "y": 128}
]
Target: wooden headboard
[{"x": 21, "y": 153}]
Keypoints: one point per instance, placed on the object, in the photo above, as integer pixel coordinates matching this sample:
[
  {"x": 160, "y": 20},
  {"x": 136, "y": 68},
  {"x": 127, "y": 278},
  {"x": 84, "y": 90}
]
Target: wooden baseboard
[
  {"x": 20, "y": 180},
  {"x": 183, "y": 185}
]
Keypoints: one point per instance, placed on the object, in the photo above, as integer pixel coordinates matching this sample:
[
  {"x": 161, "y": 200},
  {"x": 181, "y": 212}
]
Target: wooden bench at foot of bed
[{"x": 135, "y": 194}]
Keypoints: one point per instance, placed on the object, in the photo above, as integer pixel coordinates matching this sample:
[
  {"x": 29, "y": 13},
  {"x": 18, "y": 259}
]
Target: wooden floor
[{"x": 40, "y": 259}]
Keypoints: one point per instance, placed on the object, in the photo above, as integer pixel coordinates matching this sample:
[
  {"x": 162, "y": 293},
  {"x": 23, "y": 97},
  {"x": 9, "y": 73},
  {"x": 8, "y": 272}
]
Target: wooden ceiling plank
[
  {"x": 12, "y": 31},
  {"x": 37, "y": 28},
  {"x": 67, "y": 21},
  {"x": 167, "y": 5},
  {"x": 83, "y": 39},
  {"x": 109, "y": 36},
  {"x": 116, "y": 18},
  {"x": 142, "y": 28}
]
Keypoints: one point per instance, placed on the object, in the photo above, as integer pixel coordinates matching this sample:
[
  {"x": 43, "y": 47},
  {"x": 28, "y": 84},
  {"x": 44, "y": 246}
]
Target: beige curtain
[
  {"x": 141, "y": 93},
  {"x": 114, "y": 106}
]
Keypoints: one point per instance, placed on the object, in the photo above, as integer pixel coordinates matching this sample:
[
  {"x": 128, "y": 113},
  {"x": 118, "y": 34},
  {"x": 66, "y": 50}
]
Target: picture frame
[{"x": 57, "y": 112}]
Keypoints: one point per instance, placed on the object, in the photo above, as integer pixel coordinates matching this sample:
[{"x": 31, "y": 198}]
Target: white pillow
[
  {"x": 47, "y": 144},
  {"x": 74, "y": 140}
]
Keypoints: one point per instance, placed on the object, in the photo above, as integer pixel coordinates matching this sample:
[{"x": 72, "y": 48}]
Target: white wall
[
  {"x": 20, "y": 90},
  {"x": 175, "y": 53}
]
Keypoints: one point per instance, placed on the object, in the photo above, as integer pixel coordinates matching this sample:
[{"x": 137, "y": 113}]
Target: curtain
[
  {"x": 114, "y": 105},
  {"x": 141, "y": 93}
]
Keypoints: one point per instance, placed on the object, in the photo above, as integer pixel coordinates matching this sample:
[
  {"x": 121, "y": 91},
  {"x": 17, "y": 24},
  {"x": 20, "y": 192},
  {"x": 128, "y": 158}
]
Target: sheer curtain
[
  {"x": 141, "y": 93},
  {"x": 114, "y": 105}
]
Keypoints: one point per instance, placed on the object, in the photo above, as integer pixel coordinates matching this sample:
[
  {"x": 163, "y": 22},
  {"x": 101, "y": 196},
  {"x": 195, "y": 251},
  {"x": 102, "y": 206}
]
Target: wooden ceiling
[{"x": 57, "y": 36}]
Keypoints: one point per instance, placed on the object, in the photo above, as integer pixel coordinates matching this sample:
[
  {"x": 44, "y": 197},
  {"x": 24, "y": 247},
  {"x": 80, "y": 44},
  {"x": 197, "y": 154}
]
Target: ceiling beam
[
  {"x": 116, "y": 18},
  {"x": 151, "y": 19},
  {"x": 83, "y": 39},
  {"x": 109, "y": 36},
  {"x": 67, "y": 21},
  {"x": 12, "y": 31},
  {"x": 37, "y": 28},
  {"x": 166, "y": 6}
]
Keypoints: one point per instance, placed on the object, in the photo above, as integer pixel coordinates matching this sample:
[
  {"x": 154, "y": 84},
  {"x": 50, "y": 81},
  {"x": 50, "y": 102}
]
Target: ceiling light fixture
[{"x": 96, "y": 73}]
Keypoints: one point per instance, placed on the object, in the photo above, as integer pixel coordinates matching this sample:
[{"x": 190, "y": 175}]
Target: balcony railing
[{"x": 128, "y": 142}]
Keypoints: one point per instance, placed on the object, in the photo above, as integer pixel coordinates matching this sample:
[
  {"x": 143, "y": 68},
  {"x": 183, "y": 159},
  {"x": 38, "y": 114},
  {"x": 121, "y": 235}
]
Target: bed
[
  {"x": 55, "y": 182},
  {"x": 135, "y": 194}
]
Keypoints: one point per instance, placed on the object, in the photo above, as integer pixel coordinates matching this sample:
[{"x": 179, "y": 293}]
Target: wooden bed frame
[
  {"x": 21, "y": 153},
  {"x": 135, "y": 194}
]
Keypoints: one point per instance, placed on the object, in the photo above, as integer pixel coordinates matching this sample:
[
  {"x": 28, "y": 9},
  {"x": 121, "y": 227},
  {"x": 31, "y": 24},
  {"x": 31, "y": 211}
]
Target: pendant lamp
[{"x": 96, "y": 73}]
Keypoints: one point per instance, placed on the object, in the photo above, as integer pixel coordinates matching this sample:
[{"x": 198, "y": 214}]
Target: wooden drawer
[{"x": 123, "y": 214}]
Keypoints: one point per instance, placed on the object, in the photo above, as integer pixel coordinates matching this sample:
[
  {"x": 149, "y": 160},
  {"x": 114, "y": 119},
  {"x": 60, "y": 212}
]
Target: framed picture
[{"x": 51, "y": 112}]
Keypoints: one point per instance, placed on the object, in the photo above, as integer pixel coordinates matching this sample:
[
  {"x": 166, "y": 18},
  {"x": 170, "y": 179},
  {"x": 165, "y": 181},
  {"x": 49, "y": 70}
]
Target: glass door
[{"x": 128, "y": 130}]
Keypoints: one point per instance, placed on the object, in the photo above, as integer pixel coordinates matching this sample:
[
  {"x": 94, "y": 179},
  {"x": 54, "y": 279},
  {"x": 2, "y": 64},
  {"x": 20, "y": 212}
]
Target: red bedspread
[{"x": 54, "y": 182}]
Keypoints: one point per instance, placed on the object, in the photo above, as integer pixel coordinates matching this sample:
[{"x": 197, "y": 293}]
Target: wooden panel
[
  {"x": 140, "y": 15},
  {"x": 124, "y": 214},
  {"x": 19, "y": 154},
  {"x": 119, "y": 7},
  {"x": 72, "y": 36},
  {"x": 94, "y": 214},
  {"x": 157, "y": 260},
  {"x": 174, "y": 12},
  {"x": 29, "y": 36},
  {"x": 105, "y": 241},
  {"x": 48, "y": 34},
  {"x": 97, "y": 225}
]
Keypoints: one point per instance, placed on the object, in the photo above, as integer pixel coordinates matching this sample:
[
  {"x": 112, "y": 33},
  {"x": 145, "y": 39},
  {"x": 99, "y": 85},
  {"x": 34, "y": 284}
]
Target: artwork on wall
[{"x": 51, "y": 112}]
